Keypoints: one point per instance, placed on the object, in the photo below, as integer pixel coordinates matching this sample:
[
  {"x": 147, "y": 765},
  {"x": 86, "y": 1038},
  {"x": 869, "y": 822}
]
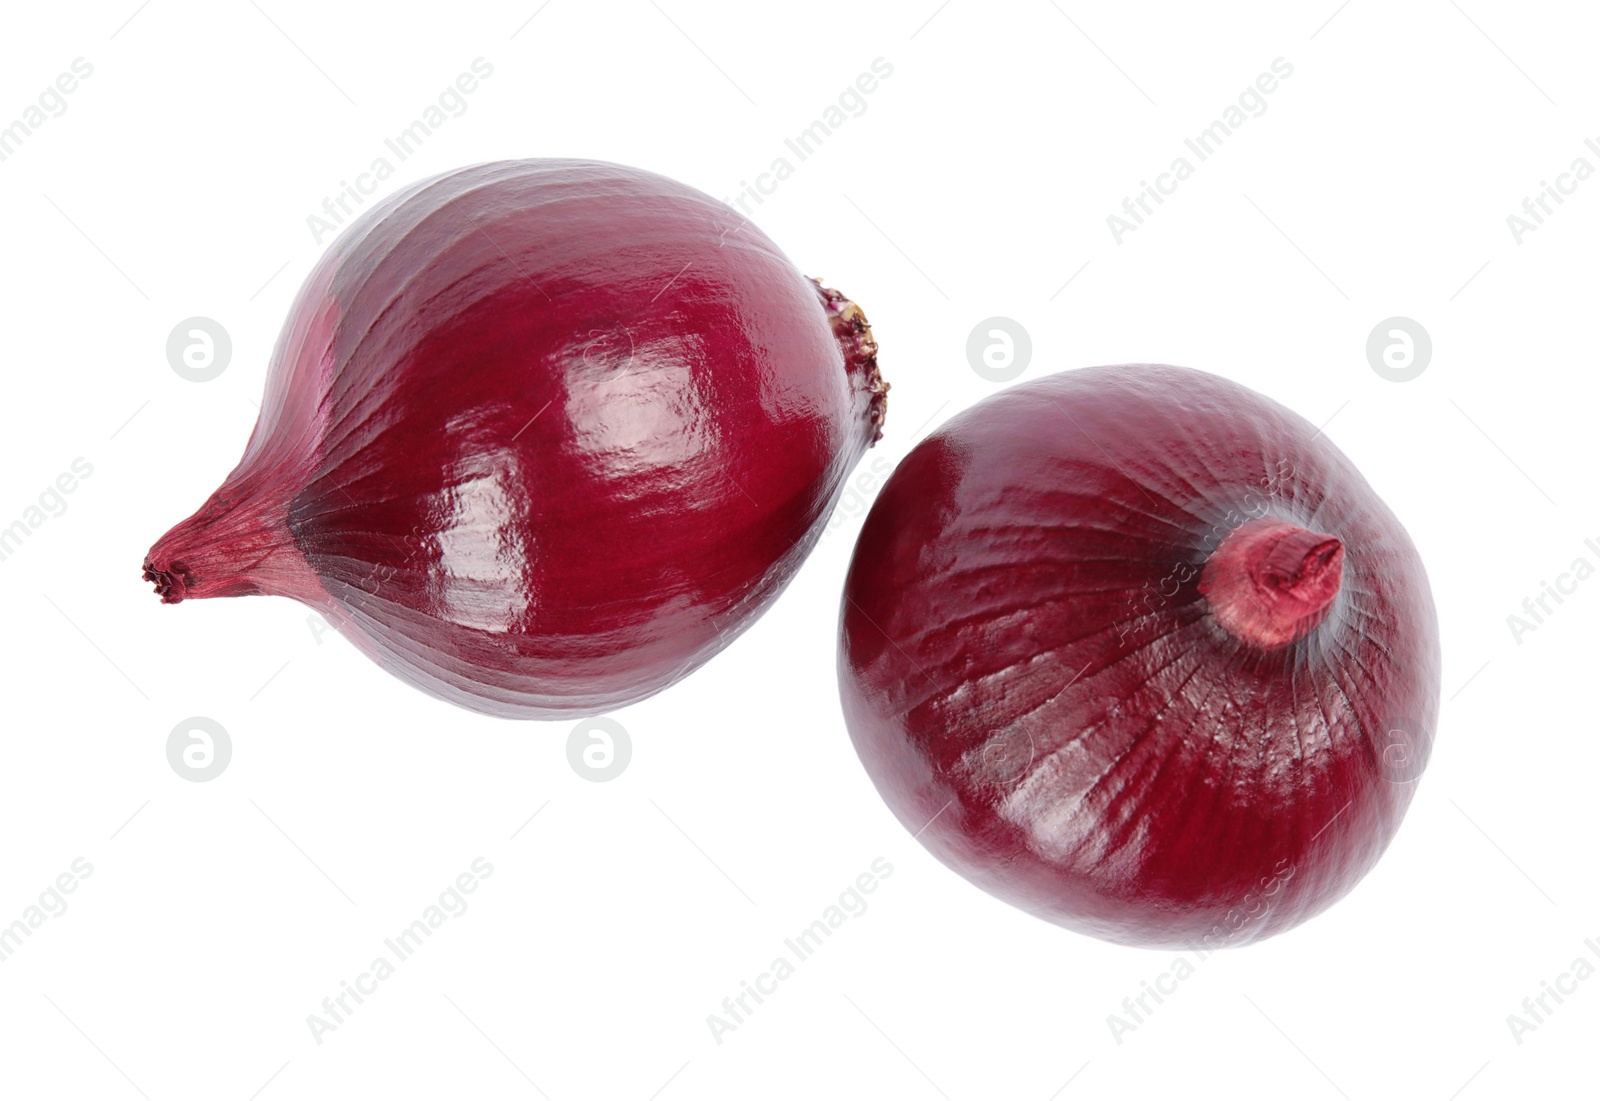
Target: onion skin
[
  {"x": 1140, "y": 652},
  {"x": 541, "y": 437}
]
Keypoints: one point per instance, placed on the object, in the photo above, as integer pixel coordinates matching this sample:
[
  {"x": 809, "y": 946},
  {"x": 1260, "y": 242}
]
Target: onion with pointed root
[{"x": 542, "y": 437}]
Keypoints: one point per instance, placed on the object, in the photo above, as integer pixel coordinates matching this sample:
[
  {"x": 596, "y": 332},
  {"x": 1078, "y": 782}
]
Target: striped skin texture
[{"x": 1034, "y": 681}]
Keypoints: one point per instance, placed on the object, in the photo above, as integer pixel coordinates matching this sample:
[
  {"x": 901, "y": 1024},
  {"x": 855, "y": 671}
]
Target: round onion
[
  {"x": 541, "y": 437},
  {"x": 1139, "y": 651}
]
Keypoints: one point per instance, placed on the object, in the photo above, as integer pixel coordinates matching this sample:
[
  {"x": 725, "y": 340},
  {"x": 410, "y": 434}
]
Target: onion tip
[
  {"x": 854, "y": 335},
  {"x": 171, "y": 584},
  {"x": 1270, "y": 583}
]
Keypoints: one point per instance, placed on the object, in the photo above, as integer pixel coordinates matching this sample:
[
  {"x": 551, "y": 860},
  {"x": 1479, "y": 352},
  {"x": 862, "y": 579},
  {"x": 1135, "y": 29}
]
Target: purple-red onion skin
[
  {"x": 541, "y": 437},
  {"x": 1041, "y": 693}
]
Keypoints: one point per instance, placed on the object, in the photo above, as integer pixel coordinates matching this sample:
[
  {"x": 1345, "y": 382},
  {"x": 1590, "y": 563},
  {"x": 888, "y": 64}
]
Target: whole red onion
[
  {"x": 541, "y": 436},
  {"x": 1139, "y": 651}
]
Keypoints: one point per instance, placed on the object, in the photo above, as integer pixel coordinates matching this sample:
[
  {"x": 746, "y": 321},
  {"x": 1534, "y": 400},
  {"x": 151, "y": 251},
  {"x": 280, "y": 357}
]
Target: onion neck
[
  {"x": 860, "y": 352},
  {"x": 237, "y": 544},
  {"x": 1269, "y": 583}
]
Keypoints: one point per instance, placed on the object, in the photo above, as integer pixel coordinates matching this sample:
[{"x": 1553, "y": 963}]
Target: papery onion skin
[
  {"x": 1042, "y": 693},
  {"x": 541, "y": 437}
]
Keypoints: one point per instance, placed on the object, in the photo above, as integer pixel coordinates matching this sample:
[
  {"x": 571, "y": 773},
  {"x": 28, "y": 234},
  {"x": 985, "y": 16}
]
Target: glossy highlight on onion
[
  {"x": 1139, "y": 651},
  {"x": 541, "y": 437}
]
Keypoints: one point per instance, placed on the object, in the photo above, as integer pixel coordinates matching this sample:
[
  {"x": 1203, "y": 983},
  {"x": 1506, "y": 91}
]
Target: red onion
[
  {"x": 541, "y": 437},
  {"x": 1139, "y": 651}
]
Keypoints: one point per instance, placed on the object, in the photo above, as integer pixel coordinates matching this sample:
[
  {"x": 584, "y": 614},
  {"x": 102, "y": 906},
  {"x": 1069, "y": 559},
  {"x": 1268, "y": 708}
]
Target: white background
[{"x": 976, "y": 183}]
